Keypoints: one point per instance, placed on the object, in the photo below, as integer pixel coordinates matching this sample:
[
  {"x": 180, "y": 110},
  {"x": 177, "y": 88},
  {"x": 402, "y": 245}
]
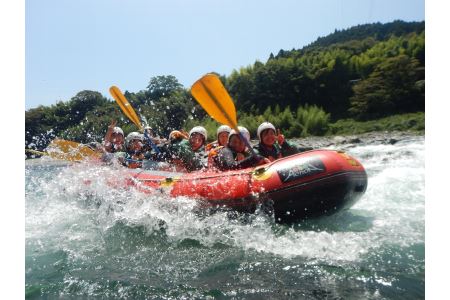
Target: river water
[{"x": 95, "y": 242}]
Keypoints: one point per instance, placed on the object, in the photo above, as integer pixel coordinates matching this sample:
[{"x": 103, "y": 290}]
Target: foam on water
[{"x": 65, "y": 214}]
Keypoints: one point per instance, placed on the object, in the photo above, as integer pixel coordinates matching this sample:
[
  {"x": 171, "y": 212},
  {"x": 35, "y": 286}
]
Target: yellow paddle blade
[
  {"x": 214, "y": 98},
  {"x": 125, "y": 106},
  {"x": 68, "y": 150},
  {"x": 36, "y": 152},
  {"x": 54, "y": 155}
]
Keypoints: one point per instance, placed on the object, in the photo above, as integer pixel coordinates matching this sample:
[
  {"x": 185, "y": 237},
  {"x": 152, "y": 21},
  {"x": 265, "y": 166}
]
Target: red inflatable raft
[{"x": 305, "y": 185}]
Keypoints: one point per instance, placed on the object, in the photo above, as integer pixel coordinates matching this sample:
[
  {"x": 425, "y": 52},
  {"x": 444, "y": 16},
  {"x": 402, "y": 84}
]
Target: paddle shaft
[{"x": 154, "y": 147}]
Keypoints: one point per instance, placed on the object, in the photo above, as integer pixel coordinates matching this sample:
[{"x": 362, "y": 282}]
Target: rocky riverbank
[{"x": 344, "y": 142}]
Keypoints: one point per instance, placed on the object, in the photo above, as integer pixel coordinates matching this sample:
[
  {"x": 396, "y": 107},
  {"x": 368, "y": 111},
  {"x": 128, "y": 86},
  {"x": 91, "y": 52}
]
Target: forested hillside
[
  {"x": 363, "y": 73},
  {"x": 363, "y": 78}
]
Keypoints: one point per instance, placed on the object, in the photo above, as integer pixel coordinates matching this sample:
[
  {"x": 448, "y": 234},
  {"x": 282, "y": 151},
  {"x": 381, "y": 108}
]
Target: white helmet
[
  {"x": 264, "y": 126},
  {"x": 242, "y": 130},
  {"x": 149, "y": 130},
  {"x": 133, "y": 136},
  {"x": 118, "y": 130},
  {"x": 199, "y": 129},
  {"x": 223, "y": 128}
]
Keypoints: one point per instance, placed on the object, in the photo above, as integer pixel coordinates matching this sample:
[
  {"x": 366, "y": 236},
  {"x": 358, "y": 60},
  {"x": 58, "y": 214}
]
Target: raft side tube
[{"x": 301, "y": 186}]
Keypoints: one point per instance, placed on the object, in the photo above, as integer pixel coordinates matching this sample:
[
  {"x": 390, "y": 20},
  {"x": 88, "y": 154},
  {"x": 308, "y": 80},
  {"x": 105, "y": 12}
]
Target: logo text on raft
[{"x": 301, "y": 169}]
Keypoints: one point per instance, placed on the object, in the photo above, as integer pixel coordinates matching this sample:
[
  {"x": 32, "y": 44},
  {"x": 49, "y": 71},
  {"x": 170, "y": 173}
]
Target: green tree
[
  {"x": 162, "y": 86},
  {"x": 392, "y": 88},
  {"x": 84, "y": 102}
]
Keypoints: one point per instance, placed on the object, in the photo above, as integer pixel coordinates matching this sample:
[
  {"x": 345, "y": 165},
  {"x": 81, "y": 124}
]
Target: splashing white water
[{"x": 62, "y": 212}]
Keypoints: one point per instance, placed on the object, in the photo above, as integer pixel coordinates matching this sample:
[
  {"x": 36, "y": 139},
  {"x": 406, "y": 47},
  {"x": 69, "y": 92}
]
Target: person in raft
[
  {"x": 114, "y": 139},
  {"x": 113, "y": 144},
  {"x": 272, "y": 145},
  {"x": 222, "y": 138},
  {"x": 152, "y": 144},
  {"x": 134, "y": 155},
  {"x": 166, "y": 147},
  {"x": 186, "y": 154},
  {"x": 236, "y": 155},
  {"x": 151, "y": 135}
]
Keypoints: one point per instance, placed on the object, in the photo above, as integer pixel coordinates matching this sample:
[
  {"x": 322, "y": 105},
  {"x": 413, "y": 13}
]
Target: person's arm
[
  {"x": 288, "y": 149},
  {"x": 257, "y": 150},
  {"x": 107, "y": 143},
  {"x": 303, "y": 148},
  {"x": 226, "y": 161}
]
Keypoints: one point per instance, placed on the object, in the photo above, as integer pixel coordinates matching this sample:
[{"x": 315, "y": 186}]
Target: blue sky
[{"x": 73, "y": 45}]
